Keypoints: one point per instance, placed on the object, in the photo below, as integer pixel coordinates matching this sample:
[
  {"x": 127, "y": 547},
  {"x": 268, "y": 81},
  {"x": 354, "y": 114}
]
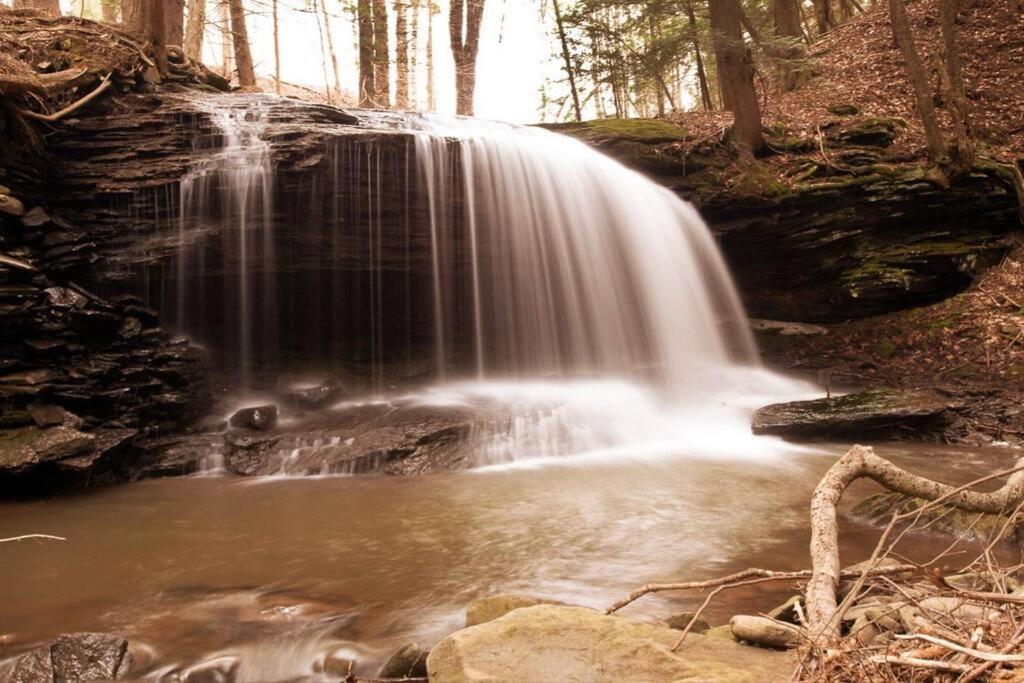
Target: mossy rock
[
  {"x": 869, "y": 132},
  {"x": 867, "y": 413},
  {"x": 578, "y": 645},
  {"x": 647, "y": 131}
]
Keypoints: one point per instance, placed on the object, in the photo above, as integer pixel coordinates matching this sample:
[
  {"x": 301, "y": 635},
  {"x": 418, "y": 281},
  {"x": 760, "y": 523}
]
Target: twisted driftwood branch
[{"x": 861, "y": 462}]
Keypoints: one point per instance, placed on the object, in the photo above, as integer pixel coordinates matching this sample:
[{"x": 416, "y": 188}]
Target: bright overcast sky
[{"x": 515, "y": 54}]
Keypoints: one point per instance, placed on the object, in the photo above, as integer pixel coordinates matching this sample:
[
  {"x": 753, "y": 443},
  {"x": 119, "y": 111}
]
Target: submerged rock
[
  {"x": 313, "y": 397},
  {"x": 574, "y": 644},
  {"x": 869, "y": 412},
  {"x": 879, "y": 508},
  {"x": 261, "y": 418},
  {"x": 73, "y": 658},
  {"x": 409, "y": 661}
]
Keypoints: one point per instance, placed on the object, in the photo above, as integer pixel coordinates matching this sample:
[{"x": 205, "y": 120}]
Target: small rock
[
  {"x": 35, "y": 217},
  {"x": 313, "y": 397},
  {"x": 339, "y": 663},
  {"x": 409, "y": 661},
  {"x": 51, "y": 416},
  {"x": 844, "y": 109},
  {"x": 763, "y": 631},
  {"x": 12, "y": 206},
  {"x": 682, "y": 620},
  {"x": 75, "y": 657},
  {"x": 261, "y": 418},
  {"x": 219, "y": 670}
]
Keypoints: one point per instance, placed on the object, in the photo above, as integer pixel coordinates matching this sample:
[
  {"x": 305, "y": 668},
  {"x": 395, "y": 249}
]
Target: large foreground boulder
[
  {"x": 874, "y": 413},
  {"x": 550, "y": 643}
]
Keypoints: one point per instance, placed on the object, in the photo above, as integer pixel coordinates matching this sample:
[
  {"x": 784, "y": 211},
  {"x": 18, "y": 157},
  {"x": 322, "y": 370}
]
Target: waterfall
[
  {"x": 230, "y": 192},
  {"x": 584, "y": 307},
  {"x": 577, "y": 265}
]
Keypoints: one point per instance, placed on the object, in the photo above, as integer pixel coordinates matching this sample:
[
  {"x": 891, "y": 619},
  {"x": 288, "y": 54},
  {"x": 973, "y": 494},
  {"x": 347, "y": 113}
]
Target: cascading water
[
  {"x": 230, "y": 192},
  {"x": 586, "y": 308}
]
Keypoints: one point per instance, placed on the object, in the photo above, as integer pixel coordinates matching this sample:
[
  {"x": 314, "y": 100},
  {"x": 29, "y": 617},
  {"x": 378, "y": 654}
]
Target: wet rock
[
  {"x": 248, "y": 455},
  {"x": 573, "y": 644},
  {"x": 22, "y": 449},
  {"x": 261, "y": 418},
  {"x": 409, "y": 661},
  {"x": 764, "y": 632},
  {"x": 313, "y": 397},
  {"x": 787, "y": 329},
  {"x": 339, "y": 663},
  {"x": 867, "y": 413},
  {"x": 73, "y": 658},
  {"x": 51, "y": 416},
  {"x": 488, "y": 609}
]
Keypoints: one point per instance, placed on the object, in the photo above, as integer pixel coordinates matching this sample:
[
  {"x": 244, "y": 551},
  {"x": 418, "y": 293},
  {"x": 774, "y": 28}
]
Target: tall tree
[
  {"x": 414, "y": 54},
  {"x": 431, "y": 89},
  {"x": 401, "y": 9},
  {"x": 918, "y": 80},
  {"x": 195, "y": 29},
  {"x": 823, "y": 16},
  {"x": 702, "y": 77},
  {"x": 240, "y": 38},
  {"x": 330, "y": 48},
  {"x": 364, "y": 22},
  {"x": 788, "y": 38},
  {"x": 277, "y": 48},
  {"x": 962, "y": 149},
  {"x": 50, "y": 7},
  {"x": 381, "y": 55},
  {"x": 154, "y": 27},
  {"x": 109, "y": 10},
  {"x": 464, "y": 22},
  {"x": 131, "y": 14},
  {"x": 174, "y": 21},
  {"x": 227, "y": 52},
  {"x": 570, "y": 72},
  {"x": 736, "y": 75}
]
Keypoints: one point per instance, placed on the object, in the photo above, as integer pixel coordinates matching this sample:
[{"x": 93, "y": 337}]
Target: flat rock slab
[
  {"x": 868, "y": 412},
  {"x": 574, "y": 644}
]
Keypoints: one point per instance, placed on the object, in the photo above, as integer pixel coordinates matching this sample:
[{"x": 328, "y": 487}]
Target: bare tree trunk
[
  {"x": 736, "y": 75},
  {"x": 401, "y": 9},
  {"x": 364, "y": 21},
  {"x": 49, "y": 7},
  {"x": 702, "y": 76},
  {"x": 174, "y": 21},
  {"x": 240, "y": 38},
  {"x": 154, "y": 16},
  {"x": 786, "y": 17},
  {"x": 569, "y": 71},
  {"x": 381, "y": 55},
  {"x": 414, "y": 56},
  {"x": 431, "y": 90},
  {"x": 953, "y": 81},
  {"x": 131, "y": 14},
  {"x": 823, "y": 16},
  {"x": 919, "y": 81},
  {"x": 108, "y": 8},
  {"x": 227, "y": 52},
  {"x": 323, "y": 53},
  {"x": 330, "y": 48},
  {"x": 464, "y": 30},
  {"x": 277, "y": 49},
  {"x": 195, "y": 29}
]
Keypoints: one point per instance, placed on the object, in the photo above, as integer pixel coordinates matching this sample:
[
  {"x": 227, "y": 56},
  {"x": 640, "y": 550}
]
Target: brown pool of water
[{"x": 279, "y": 573}]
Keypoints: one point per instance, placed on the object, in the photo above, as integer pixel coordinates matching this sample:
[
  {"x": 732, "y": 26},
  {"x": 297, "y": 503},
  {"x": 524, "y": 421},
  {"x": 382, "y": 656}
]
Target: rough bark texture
[
  {"x": 953, "y": 83},
  {"x": 381, "y": 55},
  {"x": 240, "y": 39},
  {"x": 401, "y": 9},
  {"x": 131, "y": 14},
  {"x": 786, "y": 18},
  {"x": 823, "y": 16},
  {"x": 195, "y": 30},
  {"x": 702, "y": 77},
  {"x": 174, "y": 22},
  {"x": 364, "y": 21},
  {"x": 736, "y": 74},
  {"x": 464, "y": 30},
  {"x": 918, "y": 79}
]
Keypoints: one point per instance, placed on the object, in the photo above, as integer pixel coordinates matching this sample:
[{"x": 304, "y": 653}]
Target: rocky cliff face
[{"x": 861, "y": 231}]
